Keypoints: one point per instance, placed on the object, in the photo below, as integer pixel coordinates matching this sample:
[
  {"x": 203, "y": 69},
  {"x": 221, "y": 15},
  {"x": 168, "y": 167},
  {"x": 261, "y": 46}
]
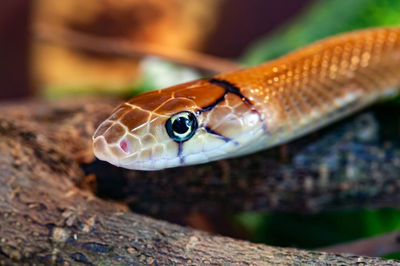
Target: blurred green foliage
[
  {"x": 318, "y": 230},
  {"x": 157, "y": 73},
  {"x": 322, "y": 19}
]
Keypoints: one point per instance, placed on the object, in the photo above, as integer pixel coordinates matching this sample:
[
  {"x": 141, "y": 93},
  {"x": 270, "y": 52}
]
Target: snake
[{"x": 244, "y": 111}]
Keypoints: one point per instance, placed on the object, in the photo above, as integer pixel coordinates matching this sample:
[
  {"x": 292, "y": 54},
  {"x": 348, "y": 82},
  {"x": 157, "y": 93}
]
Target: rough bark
[{"x": 46, "y": 217}]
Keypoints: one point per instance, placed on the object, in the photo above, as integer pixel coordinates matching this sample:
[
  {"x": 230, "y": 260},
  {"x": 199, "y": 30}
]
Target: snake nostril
[{"x": 124, "y": 145}]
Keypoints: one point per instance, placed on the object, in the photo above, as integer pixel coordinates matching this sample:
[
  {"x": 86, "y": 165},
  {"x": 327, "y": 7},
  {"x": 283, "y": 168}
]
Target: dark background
[
  {"x": 14, "y": 48},
  {"x": 240, "y": 24}
]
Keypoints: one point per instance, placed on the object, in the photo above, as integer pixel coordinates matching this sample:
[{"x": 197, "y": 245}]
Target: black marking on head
[
  {"x": 209, "y": 130},
  {"x": 226, "y": 139},
  {"x": 264, "y": 127},
  {"x": 180, "y": 148},
  {"x": 229, "y": 88},
  {"x": 211, "y": 106}
]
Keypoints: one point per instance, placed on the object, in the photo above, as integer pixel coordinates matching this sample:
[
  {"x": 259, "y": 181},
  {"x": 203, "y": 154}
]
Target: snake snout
[
  {"x": 102, "y": 151},
  {"x": 110, "y": 143}
]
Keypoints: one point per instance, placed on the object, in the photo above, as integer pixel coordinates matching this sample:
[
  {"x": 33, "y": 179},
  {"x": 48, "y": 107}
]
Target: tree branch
[
  {"x": 128, "y": 49},
  {"x": 47, "y": 219},
  {"x": 374, "y": 246}
]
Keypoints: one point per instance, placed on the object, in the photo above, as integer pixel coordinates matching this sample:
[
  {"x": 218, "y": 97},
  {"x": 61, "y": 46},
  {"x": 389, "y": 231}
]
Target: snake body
[{"x": 244, "y": 111}]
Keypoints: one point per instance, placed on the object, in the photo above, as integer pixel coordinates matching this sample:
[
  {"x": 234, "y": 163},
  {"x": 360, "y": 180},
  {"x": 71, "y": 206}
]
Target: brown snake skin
[{"x": 237, "y": 113}]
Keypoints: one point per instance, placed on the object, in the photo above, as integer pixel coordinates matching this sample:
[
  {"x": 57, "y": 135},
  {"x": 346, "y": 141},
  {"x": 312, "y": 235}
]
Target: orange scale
[
  {"x": 102, "y": 128},
  {"x": 174, "y": 106},
  {"x": 202, "y": 95},
  {"x": 115, "y": 132},
  {"x": 150, "y": 100},
  {"x": 140, "y": 131},
  {"x": 233, "y": 99},
  {"x": 119, "y": 112},
  {"x": 135, "y": 118}
]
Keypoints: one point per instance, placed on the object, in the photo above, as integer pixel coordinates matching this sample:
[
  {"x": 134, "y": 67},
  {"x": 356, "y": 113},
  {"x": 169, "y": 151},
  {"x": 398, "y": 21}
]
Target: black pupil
[{"x": 181, "y": 125}]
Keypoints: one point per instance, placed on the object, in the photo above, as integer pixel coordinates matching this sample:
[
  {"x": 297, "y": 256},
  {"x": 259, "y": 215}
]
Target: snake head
[{"x": 186, "y": 124}]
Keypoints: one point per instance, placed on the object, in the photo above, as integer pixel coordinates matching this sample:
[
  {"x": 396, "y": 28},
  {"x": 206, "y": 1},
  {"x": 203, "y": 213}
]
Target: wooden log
[{"x": 46, "y": 218}]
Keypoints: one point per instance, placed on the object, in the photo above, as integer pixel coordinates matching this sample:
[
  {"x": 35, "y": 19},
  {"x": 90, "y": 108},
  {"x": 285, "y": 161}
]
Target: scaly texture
[{"x": 252, "y": 109}]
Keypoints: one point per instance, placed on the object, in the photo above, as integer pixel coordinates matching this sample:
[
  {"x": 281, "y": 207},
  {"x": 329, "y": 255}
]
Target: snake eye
[{"x": 182, "y": 126}]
